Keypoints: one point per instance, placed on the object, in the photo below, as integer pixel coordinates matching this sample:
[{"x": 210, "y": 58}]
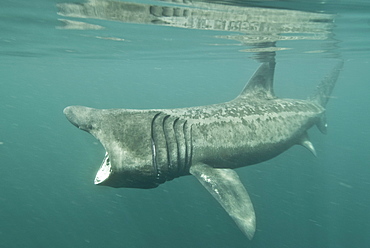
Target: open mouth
[{"x": 104, "y": 170}]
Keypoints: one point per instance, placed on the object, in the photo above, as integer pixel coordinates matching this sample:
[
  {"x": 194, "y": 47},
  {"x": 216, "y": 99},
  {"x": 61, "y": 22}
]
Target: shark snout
[
  {"x": 70, "y": 114},
  {"x": 79, "y": 116}
]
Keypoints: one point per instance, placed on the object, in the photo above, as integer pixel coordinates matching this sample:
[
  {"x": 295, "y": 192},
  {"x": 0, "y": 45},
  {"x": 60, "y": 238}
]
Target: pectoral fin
[{"x": 225, "y": 186}]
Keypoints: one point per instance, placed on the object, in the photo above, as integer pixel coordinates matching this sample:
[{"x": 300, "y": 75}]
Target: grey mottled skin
[{"x": 148, "y": 147}]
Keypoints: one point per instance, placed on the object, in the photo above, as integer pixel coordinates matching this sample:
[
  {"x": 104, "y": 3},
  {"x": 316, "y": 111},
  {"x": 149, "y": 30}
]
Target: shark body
[{"x": 145, "y": 148}]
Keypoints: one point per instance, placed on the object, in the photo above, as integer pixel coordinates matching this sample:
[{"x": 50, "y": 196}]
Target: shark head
[{"x": 125, "y": 135}]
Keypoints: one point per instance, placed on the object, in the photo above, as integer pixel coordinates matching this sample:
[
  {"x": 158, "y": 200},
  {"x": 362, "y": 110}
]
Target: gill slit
[
  {"x": 179, "y": 163},
  {"x": 188, "y": 136},
  {"x": 166, "y": 138},
  {"x": 154, "y": 149},
  {"x": 191, "y": 146}
]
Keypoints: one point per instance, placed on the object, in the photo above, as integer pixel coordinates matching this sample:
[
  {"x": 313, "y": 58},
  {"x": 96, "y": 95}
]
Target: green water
[{"x": 47, "y": 196}]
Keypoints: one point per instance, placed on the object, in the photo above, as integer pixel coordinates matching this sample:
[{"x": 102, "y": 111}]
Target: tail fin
[
  {"x": 326, "y": 86},
  {"x": 323, "y": 92}
]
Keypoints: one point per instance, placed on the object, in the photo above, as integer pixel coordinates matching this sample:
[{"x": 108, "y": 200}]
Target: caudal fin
[
  {"x": 323, "y": 92},
  {"x": 325, "y": 88}
]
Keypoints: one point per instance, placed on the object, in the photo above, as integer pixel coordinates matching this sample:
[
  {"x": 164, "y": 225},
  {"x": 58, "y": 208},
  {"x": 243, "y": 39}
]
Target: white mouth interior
[{"x": 104, "y": 170}]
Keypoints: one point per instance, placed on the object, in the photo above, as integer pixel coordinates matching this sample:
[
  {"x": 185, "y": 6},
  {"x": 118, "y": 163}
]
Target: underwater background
[{"x": 59, "y": 53}]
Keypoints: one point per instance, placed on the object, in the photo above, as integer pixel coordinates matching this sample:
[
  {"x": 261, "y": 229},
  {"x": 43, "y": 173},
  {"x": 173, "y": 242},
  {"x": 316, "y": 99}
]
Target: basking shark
[{"x": 145, "y": 148}]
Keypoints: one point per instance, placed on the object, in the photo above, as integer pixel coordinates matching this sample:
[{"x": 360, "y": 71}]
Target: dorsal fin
[{"x": 261, "y": 83}]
